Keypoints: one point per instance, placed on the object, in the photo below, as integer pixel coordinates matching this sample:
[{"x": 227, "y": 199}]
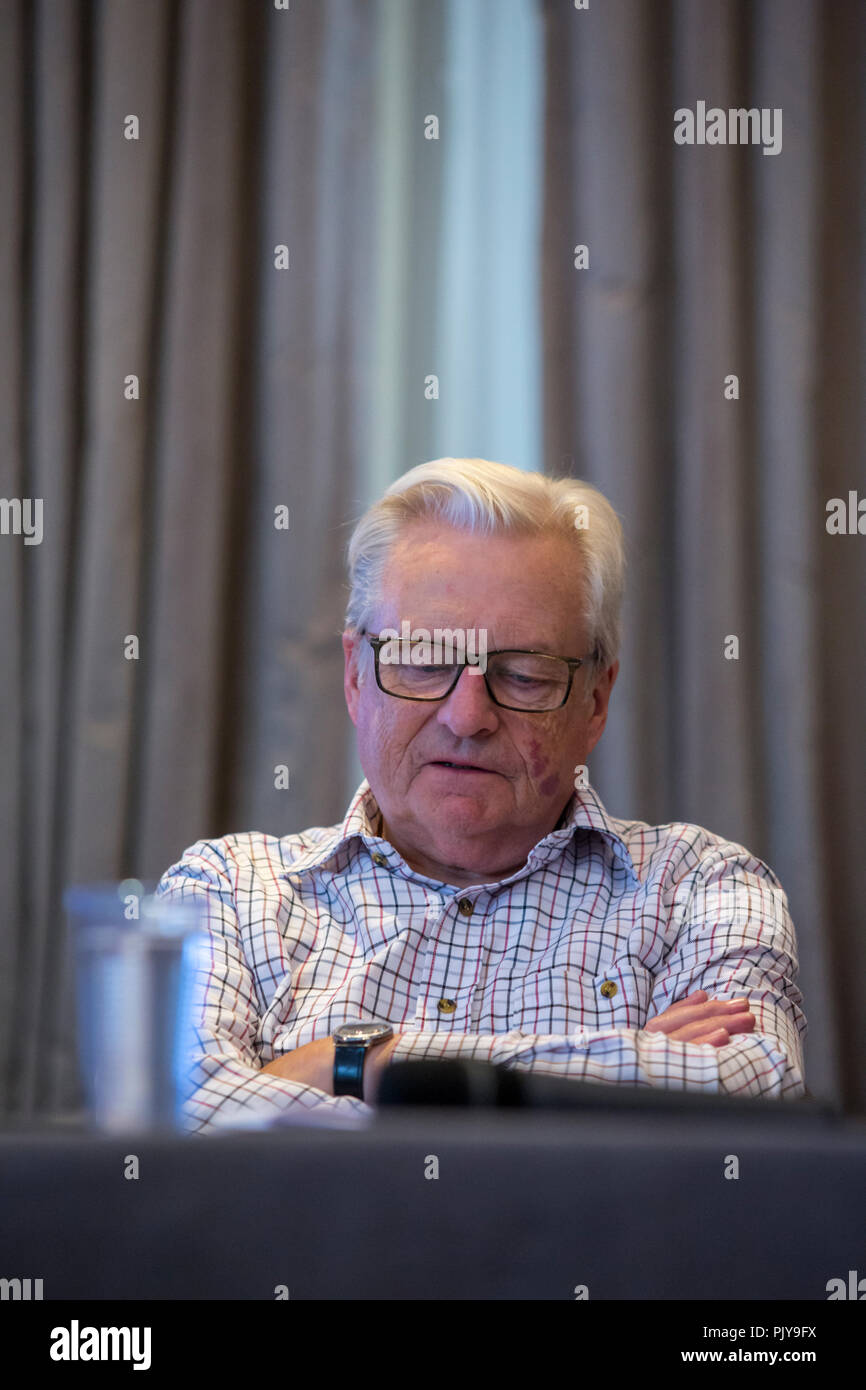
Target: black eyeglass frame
[{"x": 572, "y": 662}]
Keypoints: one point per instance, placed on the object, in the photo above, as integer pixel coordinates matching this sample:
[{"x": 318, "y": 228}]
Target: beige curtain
[
  {"x": 706, "y": 262},
  {"x": 155, "y": 257}
]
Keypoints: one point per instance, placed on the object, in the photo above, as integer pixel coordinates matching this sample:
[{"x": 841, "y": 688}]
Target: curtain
[
  {"x": 706, "y": 262},
  {"x": 156, "y": 258}
]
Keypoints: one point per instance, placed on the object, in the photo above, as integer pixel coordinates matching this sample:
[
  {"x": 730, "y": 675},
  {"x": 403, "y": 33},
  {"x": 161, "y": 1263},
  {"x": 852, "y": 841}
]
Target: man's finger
[
  {"x": 693, "y": 1032},
  {"x": 674, "y": 1017},
  {"x": 692, "y": 998},
  {"x": 699, "y": 1032}
]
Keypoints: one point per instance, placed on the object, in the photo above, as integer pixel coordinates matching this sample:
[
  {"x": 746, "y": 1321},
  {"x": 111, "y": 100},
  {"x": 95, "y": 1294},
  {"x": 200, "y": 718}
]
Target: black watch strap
[{"x": 349, "y": 1069}]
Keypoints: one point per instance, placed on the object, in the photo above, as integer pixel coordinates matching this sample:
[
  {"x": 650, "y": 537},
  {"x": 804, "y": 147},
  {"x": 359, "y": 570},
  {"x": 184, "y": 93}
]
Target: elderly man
[{"x": 478, "y": 901}]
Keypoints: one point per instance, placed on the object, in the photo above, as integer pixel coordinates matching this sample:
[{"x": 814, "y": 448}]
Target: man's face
[{"x": 459, "y": 826}]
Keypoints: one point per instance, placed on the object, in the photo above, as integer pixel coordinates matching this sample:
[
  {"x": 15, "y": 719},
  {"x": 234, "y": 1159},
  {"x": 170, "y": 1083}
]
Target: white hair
[{"x": 494, "y": 499}]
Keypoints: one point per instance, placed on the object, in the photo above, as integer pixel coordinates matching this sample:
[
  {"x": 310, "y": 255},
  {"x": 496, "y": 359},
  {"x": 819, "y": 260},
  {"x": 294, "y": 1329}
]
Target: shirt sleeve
[
  {"x": 225, "y": 1082},
  {"x": 735, "y": 939}
]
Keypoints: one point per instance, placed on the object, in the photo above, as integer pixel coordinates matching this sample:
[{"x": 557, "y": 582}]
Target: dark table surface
[{"x": 528, "y": 1203}]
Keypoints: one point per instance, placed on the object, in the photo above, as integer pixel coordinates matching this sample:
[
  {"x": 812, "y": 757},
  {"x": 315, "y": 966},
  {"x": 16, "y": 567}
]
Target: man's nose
[{"x": 469, "y": 709}]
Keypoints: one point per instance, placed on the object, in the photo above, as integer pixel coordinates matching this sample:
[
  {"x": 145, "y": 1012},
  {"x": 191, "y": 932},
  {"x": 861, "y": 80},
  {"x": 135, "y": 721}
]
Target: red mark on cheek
[{"x": 549, "y": 785}]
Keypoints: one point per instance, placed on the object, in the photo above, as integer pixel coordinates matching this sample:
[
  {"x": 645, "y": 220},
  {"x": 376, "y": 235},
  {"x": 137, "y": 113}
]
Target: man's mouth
[{"x": 462, "y": 767}]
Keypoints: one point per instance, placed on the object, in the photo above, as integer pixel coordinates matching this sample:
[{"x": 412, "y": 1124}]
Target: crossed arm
[
  {"x": 696, "y": 1019},
  {"x": 734, "y": 938}
]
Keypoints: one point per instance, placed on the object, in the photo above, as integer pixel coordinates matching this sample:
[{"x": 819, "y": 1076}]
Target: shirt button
[
  {"x": 465, "y": 906},
  {"x": 446, "y": 1006},
  {"x": 608, "y": 989},
  {"x": 380, "y": 860}
]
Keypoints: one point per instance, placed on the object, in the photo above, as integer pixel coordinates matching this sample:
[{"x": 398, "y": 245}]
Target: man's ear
[
  {"x": 351, "y": 674},
  {"x": 601, "y": 698}
]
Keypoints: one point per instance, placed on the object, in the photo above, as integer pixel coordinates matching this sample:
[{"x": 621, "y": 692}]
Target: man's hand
[
  {"x": 699, "y": 1019},
  {"x": 313, "y": 1065}
]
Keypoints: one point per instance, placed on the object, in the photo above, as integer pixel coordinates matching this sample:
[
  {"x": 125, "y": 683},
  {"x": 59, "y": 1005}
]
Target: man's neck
[{"x": 454, "y": 876}]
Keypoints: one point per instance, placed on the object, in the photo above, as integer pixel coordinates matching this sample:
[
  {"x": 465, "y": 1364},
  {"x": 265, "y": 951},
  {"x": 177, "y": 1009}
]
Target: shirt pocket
[{"x": 565, "y": 999}]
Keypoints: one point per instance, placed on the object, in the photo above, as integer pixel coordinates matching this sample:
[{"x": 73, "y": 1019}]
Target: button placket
[{"x": 449, "y": 986}]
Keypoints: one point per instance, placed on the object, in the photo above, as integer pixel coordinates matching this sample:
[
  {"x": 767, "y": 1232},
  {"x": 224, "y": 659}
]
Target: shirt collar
[{"x": 584, "y": 812}]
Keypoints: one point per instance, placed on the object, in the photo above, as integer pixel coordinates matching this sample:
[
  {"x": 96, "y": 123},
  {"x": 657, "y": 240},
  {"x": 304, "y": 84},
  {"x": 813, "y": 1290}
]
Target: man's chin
[
  {"x": 473, "y": 808},
  {"x": 463, "y": 833},
  {"x": 483, "y": 792}
]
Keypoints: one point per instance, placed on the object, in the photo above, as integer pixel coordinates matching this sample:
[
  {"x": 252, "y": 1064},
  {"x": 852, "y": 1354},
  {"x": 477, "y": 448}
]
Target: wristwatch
[{"x": 351, "y": 1042}]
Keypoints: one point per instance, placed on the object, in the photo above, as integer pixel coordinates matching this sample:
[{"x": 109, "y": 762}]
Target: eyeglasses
[{"x": 531, "y": 681}]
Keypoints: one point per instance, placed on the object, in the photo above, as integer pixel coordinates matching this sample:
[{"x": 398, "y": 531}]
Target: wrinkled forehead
[{"x": 522, "y": 590}]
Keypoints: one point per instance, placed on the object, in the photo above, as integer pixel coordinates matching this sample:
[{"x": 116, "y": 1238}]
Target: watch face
[{"x": 363, "y": 1032}]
